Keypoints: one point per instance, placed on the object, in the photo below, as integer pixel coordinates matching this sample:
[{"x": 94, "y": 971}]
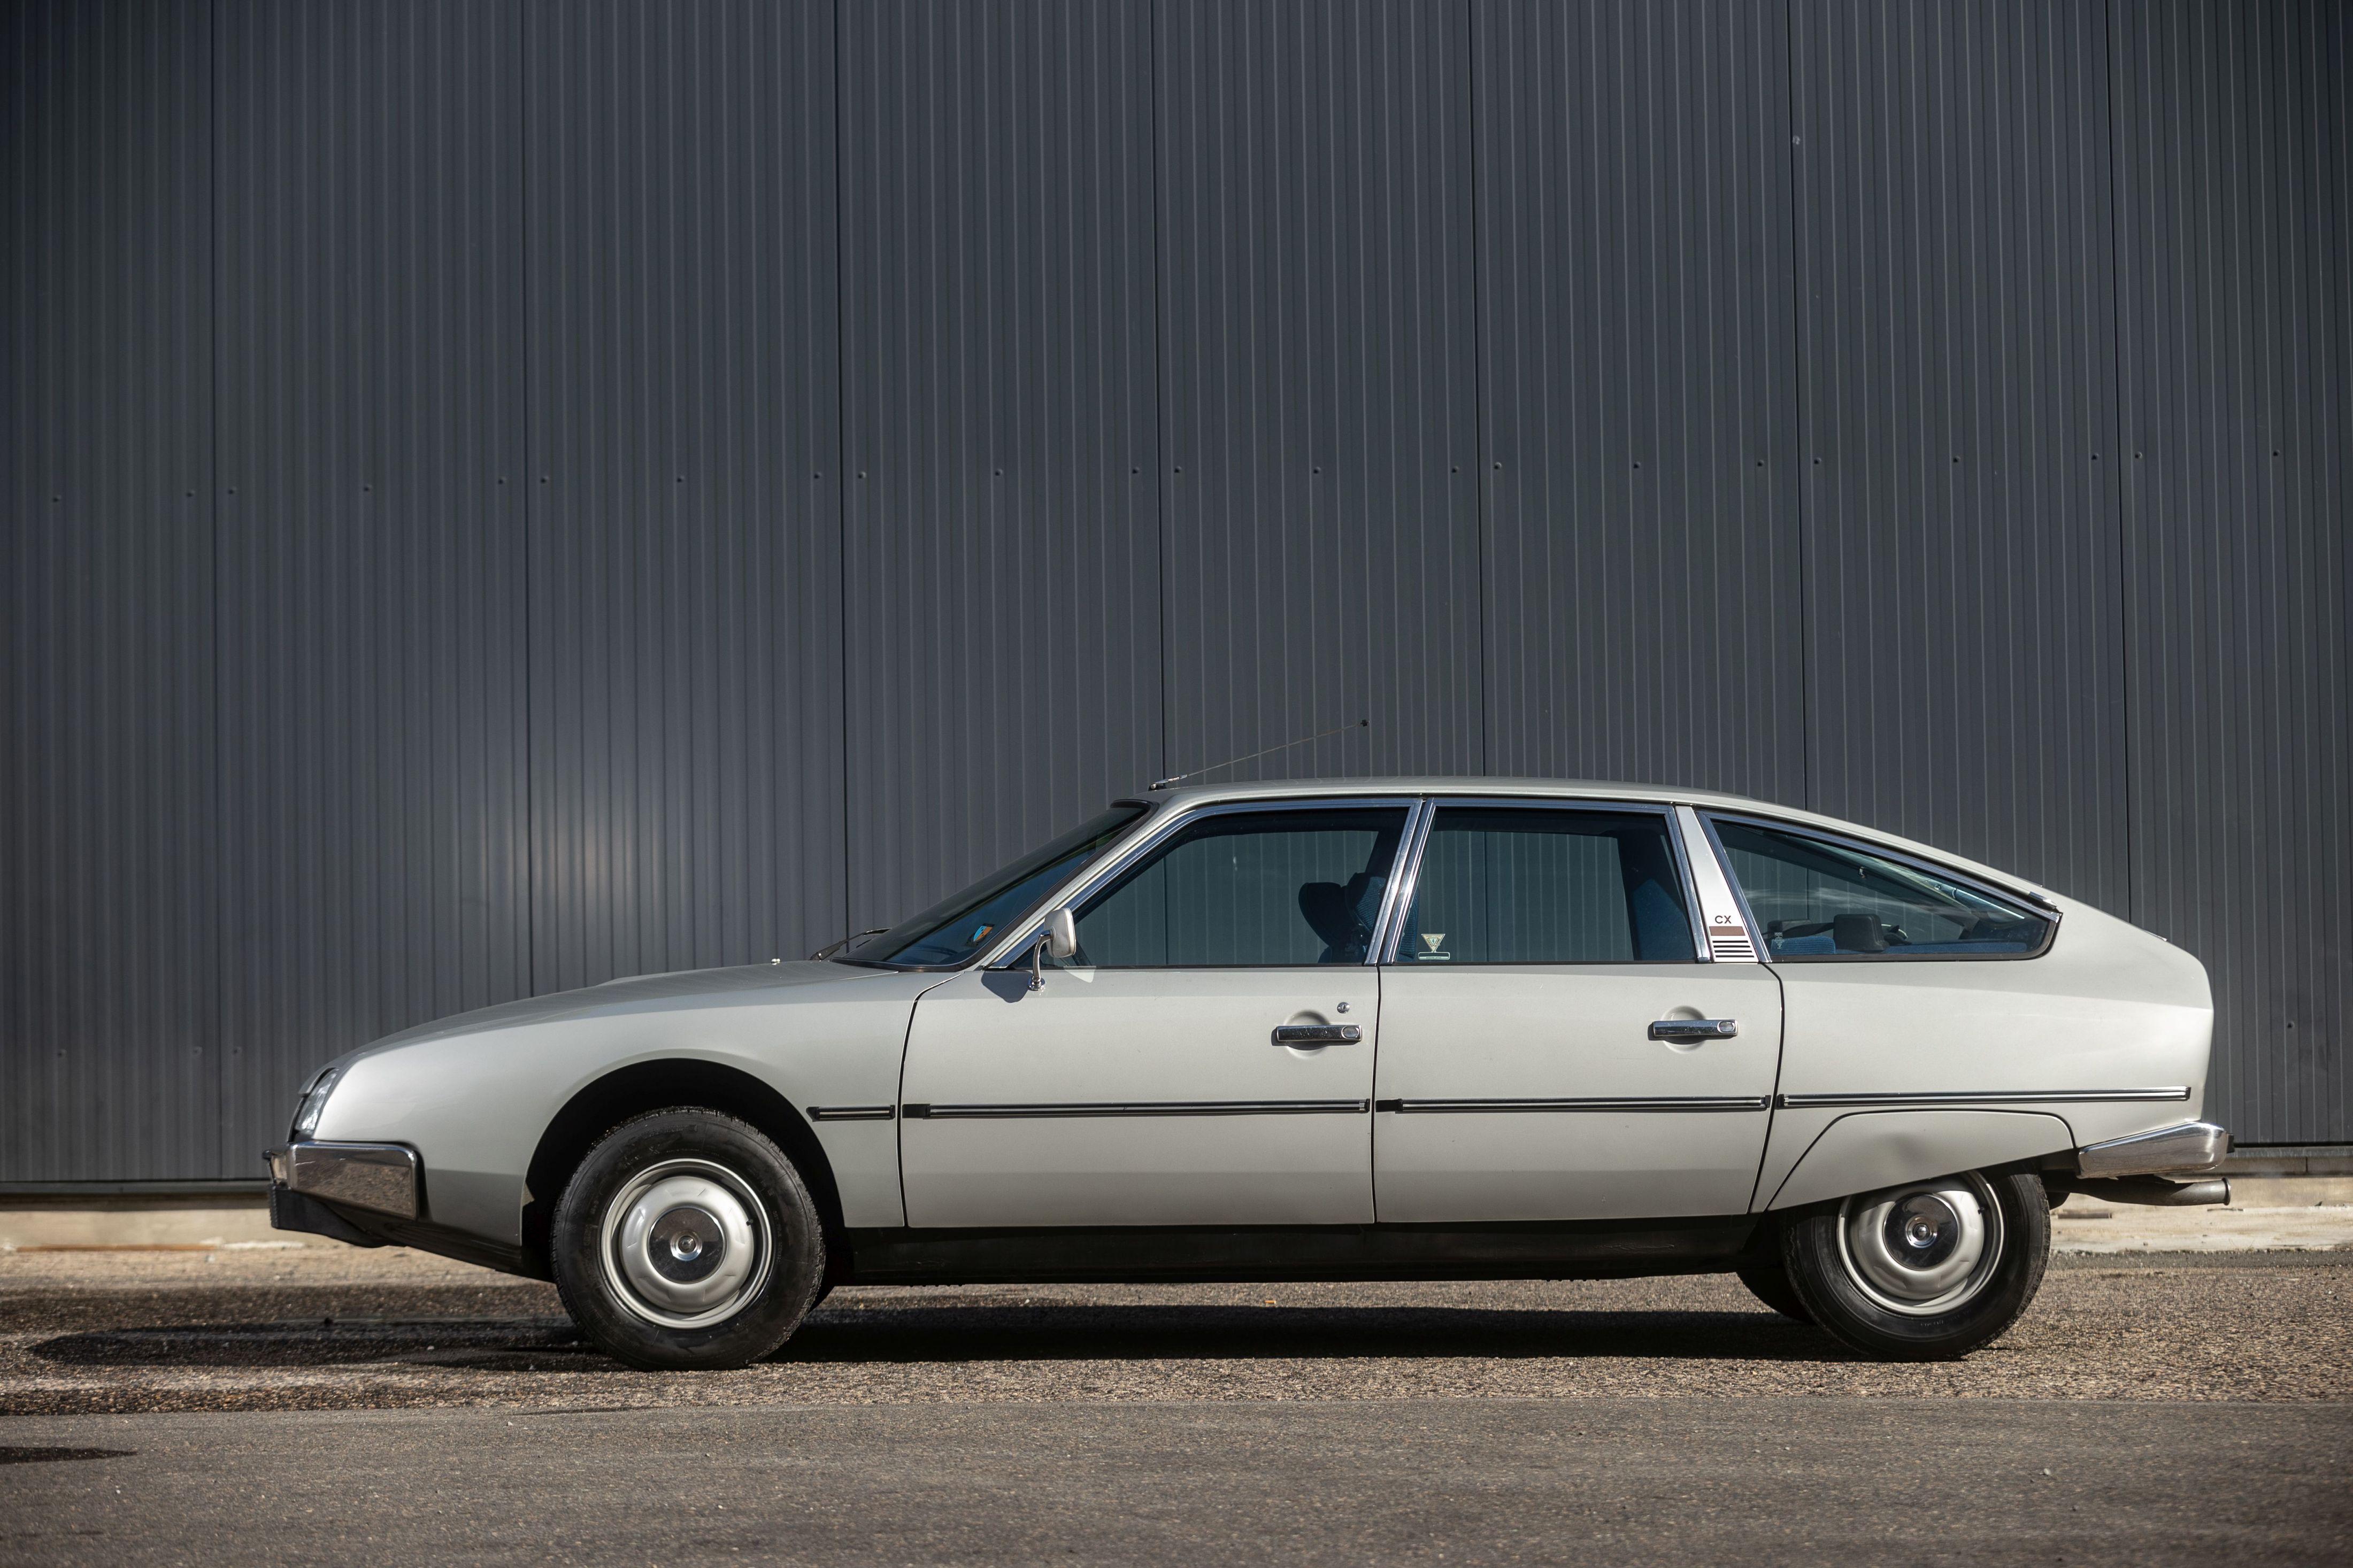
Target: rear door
[
  {"x": 1149, "y": 1080},
  {"x": 1555, "y": 1044}
]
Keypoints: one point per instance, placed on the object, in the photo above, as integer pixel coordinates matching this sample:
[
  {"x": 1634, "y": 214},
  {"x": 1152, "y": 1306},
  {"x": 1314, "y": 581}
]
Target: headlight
[{"x": 314, "y": 1101}]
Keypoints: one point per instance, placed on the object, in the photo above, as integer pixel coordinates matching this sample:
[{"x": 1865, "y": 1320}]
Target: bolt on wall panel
[
  {"x": 1003, "y": 593},
  {"x": 685, "y": 644},
  {"x": 108, "y": 854},
  {"x": 370, "y": 574},
  {"x": 1962, "y": 630},
  {"x": 2234, "y": 243},
  {"x": 1640, "y": 472},
  {"x": 1318, "y": 394}
]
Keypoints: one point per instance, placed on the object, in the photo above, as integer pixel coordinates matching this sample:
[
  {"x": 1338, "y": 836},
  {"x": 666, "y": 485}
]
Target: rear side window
[
  {"x": 1521, "y": 885},
  {"x": 1822, "y": 898}
]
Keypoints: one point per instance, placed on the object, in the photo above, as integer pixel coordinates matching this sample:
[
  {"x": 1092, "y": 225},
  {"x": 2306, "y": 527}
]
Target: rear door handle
[
  {"x": 1676, "y": 1030},
  {"x": 1317, "y": 1034}
]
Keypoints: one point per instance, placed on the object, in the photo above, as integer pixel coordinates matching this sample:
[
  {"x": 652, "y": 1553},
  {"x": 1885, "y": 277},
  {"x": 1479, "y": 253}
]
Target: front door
[
  {"x": 1552, "y": 1046},
  {"x": 1145, "y": 1082}
]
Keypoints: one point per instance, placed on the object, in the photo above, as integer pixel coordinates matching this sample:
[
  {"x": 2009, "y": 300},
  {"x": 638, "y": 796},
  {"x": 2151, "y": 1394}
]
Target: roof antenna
[{"x": 1229, "y": 761}]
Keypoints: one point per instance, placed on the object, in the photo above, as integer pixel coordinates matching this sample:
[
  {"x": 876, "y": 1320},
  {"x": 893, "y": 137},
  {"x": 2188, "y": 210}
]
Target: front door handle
[
  {"x": 1676, "y": 1031},
  {"x": 1317, "y": 1034}
]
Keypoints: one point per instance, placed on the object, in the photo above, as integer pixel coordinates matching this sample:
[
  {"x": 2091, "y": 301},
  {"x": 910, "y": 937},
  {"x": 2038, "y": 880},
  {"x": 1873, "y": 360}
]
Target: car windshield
[{"x": 952, "y": 931}]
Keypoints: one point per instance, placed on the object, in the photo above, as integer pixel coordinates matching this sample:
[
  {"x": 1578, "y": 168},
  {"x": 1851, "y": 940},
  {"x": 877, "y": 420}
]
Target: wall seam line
[
  {"x": 1797, "y": 404},
  {"x": 2120, "y": 468},
  {"x": 1478, "y": 382},
  {"x": 849, "y": 918},
  {"x": 218, "y": 967}
]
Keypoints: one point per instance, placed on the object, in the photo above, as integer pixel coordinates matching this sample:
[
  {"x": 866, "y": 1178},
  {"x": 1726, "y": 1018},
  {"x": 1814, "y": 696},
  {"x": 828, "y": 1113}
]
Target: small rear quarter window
[{"x": 1820, "y": 898}]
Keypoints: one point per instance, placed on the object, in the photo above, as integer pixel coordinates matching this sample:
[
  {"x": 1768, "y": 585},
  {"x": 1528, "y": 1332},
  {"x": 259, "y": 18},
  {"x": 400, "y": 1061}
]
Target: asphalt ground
[{"x": 326, "y": 1404}]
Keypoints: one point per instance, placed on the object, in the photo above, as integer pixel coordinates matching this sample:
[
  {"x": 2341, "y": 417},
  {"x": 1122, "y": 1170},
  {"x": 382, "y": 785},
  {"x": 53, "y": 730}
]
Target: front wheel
[
  {"x": 686, "y": 1240},
  {"x": 1924, "y": 1271}
]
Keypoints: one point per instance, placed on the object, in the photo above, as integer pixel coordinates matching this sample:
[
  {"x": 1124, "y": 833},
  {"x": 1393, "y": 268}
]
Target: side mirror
[{"x": 1057, "y": 938}]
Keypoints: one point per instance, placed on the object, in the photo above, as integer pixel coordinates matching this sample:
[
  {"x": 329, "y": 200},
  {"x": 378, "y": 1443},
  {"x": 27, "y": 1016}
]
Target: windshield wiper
[{"x": 829, "y": 948}]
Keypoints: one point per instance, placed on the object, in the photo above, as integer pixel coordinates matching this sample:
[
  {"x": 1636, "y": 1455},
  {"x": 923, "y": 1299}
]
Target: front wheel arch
[{"x": 680, "y": 1081}]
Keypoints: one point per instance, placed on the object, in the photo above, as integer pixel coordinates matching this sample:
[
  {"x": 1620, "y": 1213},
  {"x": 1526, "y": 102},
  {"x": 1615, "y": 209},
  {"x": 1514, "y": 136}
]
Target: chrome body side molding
[
  {"x": 1637, "y": 1103},
  {"x": 1991, "y": 1096},
  {"x": 918, "y": 1112}
]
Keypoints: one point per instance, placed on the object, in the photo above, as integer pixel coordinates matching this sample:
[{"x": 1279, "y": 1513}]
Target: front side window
[
  {"x": 955, "y": 929},
  {"x": 1820, "y": 898},
  {"x": 1249, "y": 889},
  {"x": 1521, "y": 885}
]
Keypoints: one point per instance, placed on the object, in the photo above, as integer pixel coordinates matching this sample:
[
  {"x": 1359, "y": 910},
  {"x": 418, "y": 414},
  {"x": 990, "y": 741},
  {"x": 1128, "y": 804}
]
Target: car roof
[{"x": 1189, "y": 796}]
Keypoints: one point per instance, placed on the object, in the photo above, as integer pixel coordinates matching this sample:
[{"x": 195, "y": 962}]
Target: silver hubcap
[
  {"x": 685, "y": 1244},
  {"x": 1924, "y": 1248}
]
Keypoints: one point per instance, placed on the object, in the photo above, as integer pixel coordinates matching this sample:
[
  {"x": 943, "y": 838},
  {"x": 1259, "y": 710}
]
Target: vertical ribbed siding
[
  {"x": 1318, "y": 387},
  {"x": 1002, "y": 549},
  {"x": 108, "y": 1022},
  {"x": 1963, "y": 639},
  {"x": 684, "y": 537},
  {"x": 371, "y": 559},
  {"x": 1640, "y": 476},
  {"x": 2234, "y": 244},
  {"x": 378, "y": 737}
]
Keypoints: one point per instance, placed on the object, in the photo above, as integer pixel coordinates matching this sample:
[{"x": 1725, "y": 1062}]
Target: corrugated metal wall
[{"x": 502, "y": 495}]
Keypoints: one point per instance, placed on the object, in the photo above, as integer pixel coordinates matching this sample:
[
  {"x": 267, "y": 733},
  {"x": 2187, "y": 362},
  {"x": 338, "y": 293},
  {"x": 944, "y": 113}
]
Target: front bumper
[{"x": 381, "y": 1178}]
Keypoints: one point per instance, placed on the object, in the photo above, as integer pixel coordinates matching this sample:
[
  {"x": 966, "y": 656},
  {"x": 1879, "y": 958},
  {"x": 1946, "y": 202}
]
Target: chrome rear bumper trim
[{"x": 2191, "y": 1147}]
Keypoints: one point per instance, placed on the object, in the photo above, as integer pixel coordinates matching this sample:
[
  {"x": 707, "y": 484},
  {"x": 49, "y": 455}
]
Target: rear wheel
[
  {"x": 686, "y": 1240},
  {"x": 1923, "y": 1271}
]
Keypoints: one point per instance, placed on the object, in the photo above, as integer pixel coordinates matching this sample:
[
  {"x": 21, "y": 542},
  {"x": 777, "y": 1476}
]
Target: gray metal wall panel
[
  {"x": 1333, "y": 262},
  {"x": 1319, "y": 389},
  {"x": 2234, "y": 196},
  {"x": 1640, "y": 468},
  {"x": 109, "y": 1017},
  {"x": 684, "y": 558},
  {"x": 1004, "y": 598},
  {"x": 371, "y": 563},
  {"x": 1963, "y": 632}
]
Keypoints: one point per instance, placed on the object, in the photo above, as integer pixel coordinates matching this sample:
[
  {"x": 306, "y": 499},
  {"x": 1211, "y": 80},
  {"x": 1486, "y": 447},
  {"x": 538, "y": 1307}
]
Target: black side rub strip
[
  {"x": 1994, "y": 1097},
  {"x": 1662, "y": 1102},
  {"x": 851, "y": 1112},
  {"x": 919, "y": 1111}
]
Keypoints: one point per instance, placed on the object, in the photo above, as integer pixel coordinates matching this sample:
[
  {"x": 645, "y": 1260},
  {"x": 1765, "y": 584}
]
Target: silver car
[{"x": 1339, "y": 1029}]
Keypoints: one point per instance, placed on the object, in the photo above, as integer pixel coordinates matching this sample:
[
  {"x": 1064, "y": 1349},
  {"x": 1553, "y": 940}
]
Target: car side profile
[{"x": 1368, "y": 1029}]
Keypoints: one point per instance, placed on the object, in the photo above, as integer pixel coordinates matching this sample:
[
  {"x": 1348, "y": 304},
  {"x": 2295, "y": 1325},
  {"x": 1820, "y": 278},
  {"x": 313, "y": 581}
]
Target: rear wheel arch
[{"x": 682, "y": 1081}]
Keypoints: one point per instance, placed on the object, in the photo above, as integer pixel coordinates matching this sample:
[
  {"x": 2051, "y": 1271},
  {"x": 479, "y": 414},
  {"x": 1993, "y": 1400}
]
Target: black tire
[
  {"x": 686, "y": 1240},
  {"x": 1866, "y": 1313},
  {"x": 1770, "y": 1285}
]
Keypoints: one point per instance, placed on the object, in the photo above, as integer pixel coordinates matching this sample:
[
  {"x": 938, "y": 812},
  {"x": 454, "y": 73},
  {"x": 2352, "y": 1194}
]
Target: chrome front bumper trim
[
  {"x": 382, "y": 1178},
  {"x": 2191, "y": 1147}
]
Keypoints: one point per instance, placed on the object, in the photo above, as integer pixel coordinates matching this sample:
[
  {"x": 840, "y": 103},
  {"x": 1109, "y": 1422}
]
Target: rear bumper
[
  {"x": 2166, "y": 1167},
  {"x": 2192, "y": 1149}
]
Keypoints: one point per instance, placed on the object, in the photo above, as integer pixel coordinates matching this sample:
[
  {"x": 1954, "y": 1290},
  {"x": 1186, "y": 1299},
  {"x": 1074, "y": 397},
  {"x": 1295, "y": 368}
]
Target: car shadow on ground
[{"x": 1009, "y": 1332}]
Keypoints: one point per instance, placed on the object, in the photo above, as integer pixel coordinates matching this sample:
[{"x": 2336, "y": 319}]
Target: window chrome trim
[
  {"x": 1996, "y": 1097},
  {"x": 1016, "y": 947},
  {"x": 1402, "y": 886},
  {"x": 1409, "y": 882},
  {"x": 918, "y": 1111},
  {"x": 1704, "y": 1103},
  {"x": 1720, "y": 899},
  {"x": 2032, "y": 906}
]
